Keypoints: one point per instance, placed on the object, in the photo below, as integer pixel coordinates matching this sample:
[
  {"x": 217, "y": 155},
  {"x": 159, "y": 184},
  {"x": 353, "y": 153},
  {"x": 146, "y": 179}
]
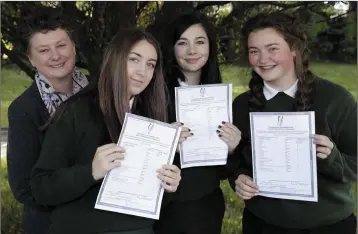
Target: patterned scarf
[{"x": 51, "y": 97}]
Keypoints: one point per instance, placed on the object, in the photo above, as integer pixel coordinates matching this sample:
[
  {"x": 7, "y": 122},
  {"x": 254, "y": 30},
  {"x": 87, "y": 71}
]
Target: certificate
[
  {"x": 133, "y": 188},
  {"x": 284, "y": 155},
  {"x": 202, "y": 108}
]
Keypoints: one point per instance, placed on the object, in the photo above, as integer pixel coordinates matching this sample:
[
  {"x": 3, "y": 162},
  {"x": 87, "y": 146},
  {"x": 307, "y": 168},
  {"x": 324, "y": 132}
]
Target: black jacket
[{"x": 26, "y": 114}]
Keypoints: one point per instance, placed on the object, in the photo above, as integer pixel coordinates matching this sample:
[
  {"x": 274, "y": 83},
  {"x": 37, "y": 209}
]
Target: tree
[{"x": 97, "y": 22}]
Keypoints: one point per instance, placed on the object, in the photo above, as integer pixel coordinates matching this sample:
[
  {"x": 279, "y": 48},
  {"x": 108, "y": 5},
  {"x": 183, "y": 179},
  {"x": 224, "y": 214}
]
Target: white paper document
[
  {"x": 202, "y": 108},
  {"x": 133, "y": 188},
  {"x": 284, "y": 155}
]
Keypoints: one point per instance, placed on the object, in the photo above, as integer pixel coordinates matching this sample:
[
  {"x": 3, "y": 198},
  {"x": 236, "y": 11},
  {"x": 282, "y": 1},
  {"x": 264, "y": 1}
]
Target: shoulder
[
  {"x": 79, "y": 107},
  {"x": 25, "y": 101},
  {"x": 242, "y": 100},
  {"x": 333, "y": 93}
]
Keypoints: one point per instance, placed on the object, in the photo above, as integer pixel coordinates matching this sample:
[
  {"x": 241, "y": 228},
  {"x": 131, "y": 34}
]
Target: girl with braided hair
[{"x": 282, "y": 82}]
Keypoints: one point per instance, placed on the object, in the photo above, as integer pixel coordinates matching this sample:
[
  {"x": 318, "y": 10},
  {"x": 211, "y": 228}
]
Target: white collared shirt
[
  {"x": 182, "y": 83},
  {"x": 270, "y": 92},
  {"x": 131, "y": 103}
]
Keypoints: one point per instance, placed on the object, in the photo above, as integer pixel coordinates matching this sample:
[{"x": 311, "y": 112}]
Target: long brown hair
[
  {"x": 113, "y": 83},
  {"x": 293, "y": 33}
]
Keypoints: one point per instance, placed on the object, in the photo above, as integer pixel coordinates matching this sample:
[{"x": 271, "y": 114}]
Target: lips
[
  {"x": 137, "y": 80},
  {"x": 267, "y": 68},
  {"x": 58, "y": 65},
  {"x": 192, "y": 60}
]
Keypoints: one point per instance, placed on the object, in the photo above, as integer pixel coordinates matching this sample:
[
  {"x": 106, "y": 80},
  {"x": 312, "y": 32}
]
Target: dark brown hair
[
  {"x": 210, "y": 71},
  {"x": 43, "y": 19},
  {"x": 110, "y": 89},
  {"x": 113, "y": 82},
  {"x": 293, "y": 33}
]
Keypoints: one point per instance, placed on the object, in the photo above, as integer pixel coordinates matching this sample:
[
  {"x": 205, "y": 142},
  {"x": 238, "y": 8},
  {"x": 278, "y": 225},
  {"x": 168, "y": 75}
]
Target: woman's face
[
  {"x": 141, "y": 63},
  {"x": 192, "y": 49},
  {"x": 53, "y": 54},
  {"x": 271, "y": 57}
]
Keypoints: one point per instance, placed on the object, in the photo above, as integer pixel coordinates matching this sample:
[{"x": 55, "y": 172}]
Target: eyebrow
[
  {"x": 201, "y": 37},
  {"x": 139, "y": 55},
  {"x": 268, "y": 45},
  {"x": 61, "y": 40}
]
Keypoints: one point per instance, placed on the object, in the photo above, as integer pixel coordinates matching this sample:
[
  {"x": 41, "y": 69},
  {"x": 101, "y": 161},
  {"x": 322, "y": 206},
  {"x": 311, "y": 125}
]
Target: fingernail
[
  {"x": 192, "y": 134},
  {"x": 223, "y": 122},
  {"x": 219, "y": 135},
  {"x": 219, "y": 126},
  {"x": 217, "y": 131},
  {"x": 181, "y": 123},
  {"x": 185, "y": 138},
  {"x": 189, "y": 129}
]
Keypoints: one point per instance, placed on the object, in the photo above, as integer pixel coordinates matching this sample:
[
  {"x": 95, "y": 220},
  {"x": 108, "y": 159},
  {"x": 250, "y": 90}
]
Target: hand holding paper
[
  {"x": 136, "y": 187},
  {"x": 106, "y": 158},
  {"x": 202, "y": 108}
]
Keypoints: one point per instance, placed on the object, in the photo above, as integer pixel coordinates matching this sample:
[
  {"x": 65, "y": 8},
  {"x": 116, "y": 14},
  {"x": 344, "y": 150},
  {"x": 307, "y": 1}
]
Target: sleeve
[
  {"x": 54, "y": 180},
  {"x": 341, "y": 164},
  {"x": 23, "y": 150},
  {"x": 240, "y": 161}
]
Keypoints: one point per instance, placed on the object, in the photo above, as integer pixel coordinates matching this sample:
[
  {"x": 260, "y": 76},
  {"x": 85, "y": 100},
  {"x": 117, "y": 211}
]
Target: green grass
[
  {"x": 343, "y": 74},
  {"x": 14, "y": 82}
]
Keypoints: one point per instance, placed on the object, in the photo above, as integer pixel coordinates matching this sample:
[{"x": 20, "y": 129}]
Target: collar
[
  {"x": 270, "y": 92},
  {"x": 53, "y": 99},
  {"x": 131, "y": 103},
  {"x": 182, "y": 83}
]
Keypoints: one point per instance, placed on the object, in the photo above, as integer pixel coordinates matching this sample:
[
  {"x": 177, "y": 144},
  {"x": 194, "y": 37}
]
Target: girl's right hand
[
  {"x": 185, "y": 133},
  {"x": 245, "y": 188},
  {"x": 106, "y": 158}
]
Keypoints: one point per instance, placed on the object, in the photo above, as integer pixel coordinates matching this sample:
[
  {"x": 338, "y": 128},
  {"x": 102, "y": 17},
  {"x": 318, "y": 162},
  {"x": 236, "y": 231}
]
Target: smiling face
[
  {"x": 192, "y": 49},
  {"x": 271, "y": 57},
  {"x": 53, "y": 54},
  {"x": 141, "y": 64}
]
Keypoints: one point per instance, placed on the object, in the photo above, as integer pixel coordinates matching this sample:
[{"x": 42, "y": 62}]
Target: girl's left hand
[
  {"x": 170, "y": 177},
  {"x": 230, "y": 134},
  {"x": 324, "y": 146}
]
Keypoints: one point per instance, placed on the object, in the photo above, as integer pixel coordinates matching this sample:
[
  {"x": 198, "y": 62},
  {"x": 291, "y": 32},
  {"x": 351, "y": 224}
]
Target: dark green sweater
[
  {"x": 335, "y": 117},
  {"x": 63, "y": 178}
]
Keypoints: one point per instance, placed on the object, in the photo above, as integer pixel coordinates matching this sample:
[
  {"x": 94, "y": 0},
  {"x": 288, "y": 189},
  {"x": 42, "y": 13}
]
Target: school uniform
[
  {"x": 335, "y": 117},
  {"x": 63, "y": 177},
  {"x": 198, "y": 206}
]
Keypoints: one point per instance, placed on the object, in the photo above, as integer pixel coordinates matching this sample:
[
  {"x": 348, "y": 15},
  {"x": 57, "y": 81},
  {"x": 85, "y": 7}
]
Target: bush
[{"x": 11, "y": 210}]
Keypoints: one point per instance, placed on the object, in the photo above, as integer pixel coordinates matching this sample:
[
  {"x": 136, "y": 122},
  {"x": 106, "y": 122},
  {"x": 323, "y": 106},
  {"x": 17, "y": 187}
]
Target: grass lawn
[{"x": 14, "y": 82}]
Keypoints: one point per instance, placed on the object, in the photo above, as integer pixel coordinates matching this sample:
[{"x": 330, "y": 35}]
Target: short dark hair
[{"x": 43, "y": 19}]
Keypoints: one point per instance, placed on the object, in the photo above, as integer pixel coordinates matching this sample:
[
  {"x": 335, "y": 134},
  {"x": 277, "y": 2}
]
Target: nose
[
  {"x": 141, "y": 69},
  {"x": 264, "y": 57},
  {"x": 192, "y": 49},
  {"x": 55, "y": 55}
]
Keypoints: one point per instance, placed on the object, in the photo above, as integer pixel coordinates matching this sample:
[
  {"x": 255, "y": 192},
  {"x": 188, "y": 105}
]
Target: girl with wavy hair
[{"x": 282, "y": 82}]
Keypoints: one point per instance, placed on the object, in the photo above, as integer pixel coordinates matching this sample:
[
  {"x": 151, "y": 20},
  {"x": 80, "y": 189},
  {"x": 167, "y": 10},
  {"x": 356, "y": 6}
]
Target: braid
[
  {"x": 257, "y": 100},
  {"x": 306, "y": 84},
  {"x": 305, "y": 90},
  {"x": 293, "y": 32}
]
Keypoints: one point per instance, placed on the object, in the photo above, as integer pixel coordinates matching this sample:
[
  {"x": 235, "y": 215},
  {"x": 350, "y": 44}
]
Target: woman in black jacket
[{"x": 51, "y": 50}]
